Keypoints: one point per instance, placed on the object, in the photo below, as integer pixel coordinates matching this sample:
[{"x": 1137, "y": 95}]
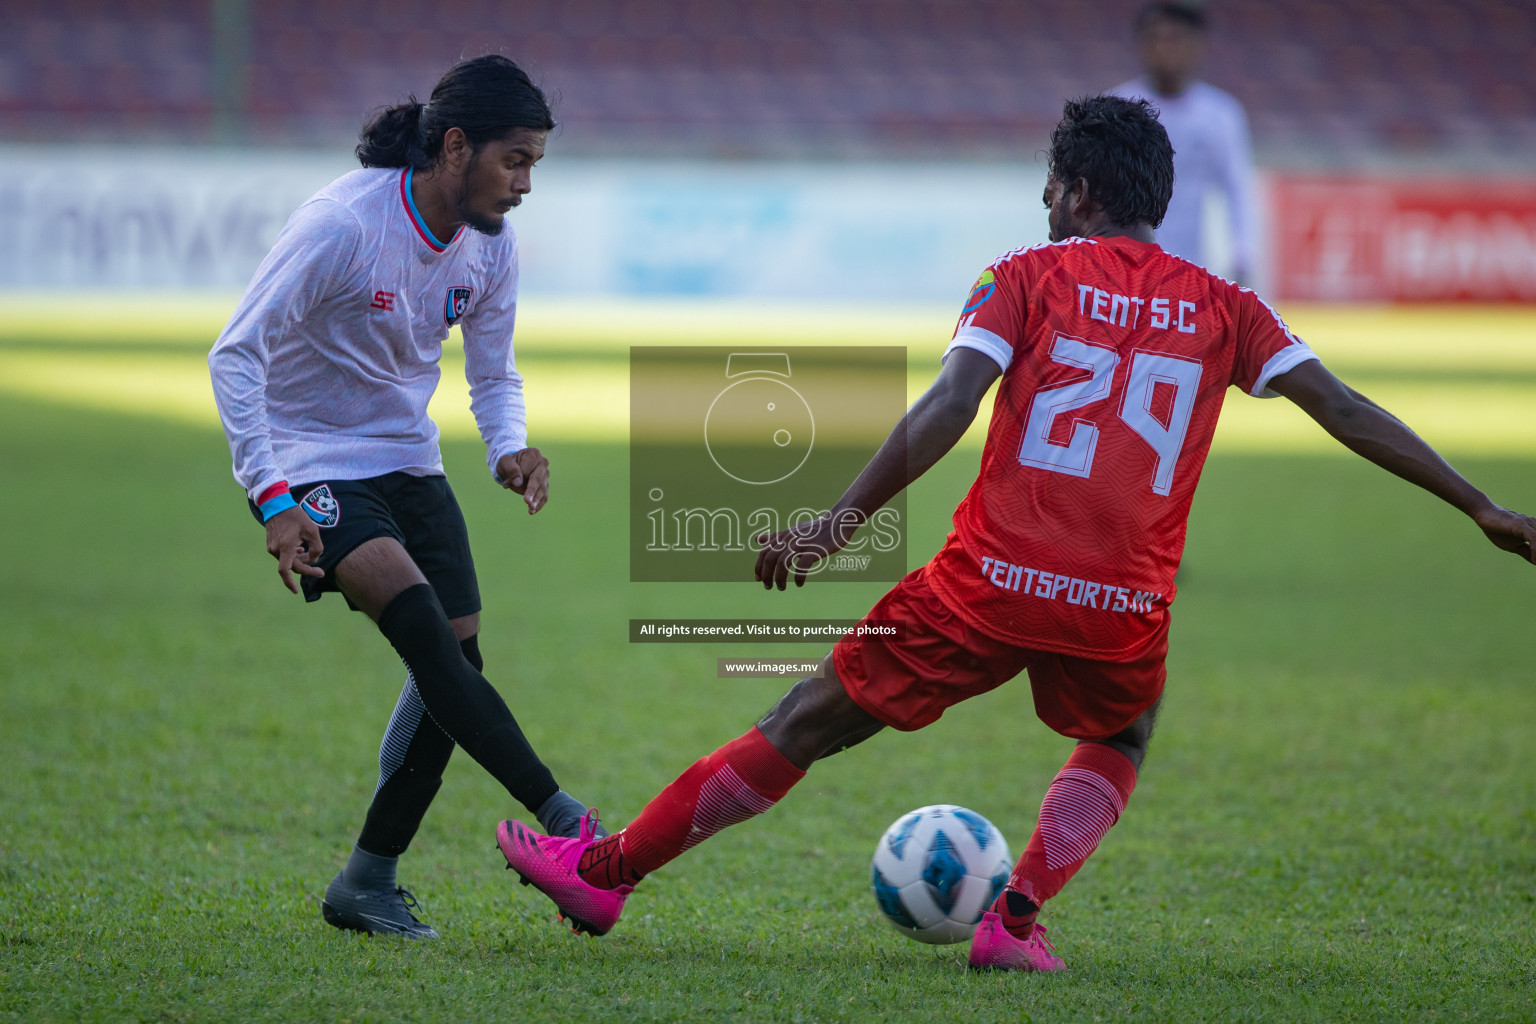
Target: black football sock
[
  {"x": 458, "y": 699},
  {"x": 471, "y": 648},
  {"x": 412, "y": 757},
  {"x": 561, "y": 816},
  {"x": 366, "y": 870}
]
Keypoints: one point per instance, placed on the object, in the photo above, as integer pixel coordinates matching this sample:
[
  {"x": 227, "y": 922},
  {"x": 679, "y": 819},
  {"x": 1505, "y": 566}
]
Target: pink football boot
[
  {"x": 993, "y": 948},
  {"x": 548, "y": 863}
]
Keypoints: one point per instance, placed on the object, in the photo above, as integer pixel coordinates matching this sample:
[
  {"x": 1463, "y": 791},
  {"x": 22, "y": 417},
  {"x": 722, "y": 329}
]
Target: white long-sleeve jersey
[
  {"x": 326, "y": 368},
  {"x": 1212, "y": 150}
]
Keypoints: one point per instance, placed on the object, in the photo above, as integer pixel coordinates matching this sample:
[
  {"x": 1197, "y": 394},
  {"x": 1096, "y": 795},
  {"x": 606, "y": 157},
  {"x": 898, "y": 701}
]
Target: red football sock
[
  {"x": 1085, "y": 799},
  {"x": 743, "y": 778}
]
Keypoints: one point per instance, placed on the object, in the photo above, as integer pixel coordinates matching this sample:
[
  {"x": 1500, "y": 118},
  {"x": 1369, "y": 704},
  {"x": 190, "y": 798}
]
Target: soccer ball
[{"x": 937, "y": 869}]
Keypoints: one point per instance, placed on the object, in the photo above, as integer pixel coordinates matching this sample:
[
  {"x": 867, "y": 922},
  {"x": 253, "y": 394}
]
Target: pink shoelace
[{"x": 570, "y": 850}]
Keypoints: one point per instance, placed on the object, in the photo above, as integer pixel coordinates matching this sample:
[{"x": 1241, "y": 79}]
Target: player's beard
[
  {"x": 479, "y": 221},
  {"x": 467, "y": 214}
]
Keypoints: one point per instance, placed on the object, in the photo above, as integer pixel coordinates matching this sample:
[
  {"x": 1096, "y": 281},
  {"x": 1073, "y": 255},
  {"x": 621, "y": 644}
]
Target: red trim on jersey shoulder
[{"x": 415, "y": 216}]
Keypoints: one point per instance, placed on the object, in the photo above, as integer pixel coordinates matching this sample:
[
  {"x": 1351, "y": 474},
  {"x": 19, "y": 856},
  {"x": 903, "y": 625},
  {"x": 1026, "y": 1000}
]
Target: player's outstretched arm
[
  {"x": 1368, "y": 430},
  {"x": 933, "y": 426}
]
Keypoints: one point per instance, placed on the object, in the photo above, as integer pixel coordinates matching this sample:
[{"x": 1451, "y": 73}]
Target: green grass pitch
[{"x": 1335, "y": 822}]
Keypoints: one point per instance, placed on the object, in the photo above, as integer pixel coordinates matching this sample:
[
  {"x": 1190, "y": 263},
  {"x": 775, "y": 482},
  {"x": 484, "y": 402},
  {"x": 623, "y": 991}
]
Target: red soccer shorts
[{"x": 942, "y": 661}]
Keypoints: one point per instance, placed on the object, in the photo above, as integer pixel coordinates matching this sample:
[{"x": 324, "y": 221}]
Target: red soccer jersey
[{"x": 1115, "y": 360}]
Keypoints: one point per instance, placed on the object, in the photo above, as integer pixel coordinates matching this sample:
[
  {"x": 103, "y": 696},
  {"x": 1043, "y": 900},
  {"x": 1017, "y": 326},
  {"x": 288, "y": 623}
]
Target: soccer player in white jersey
[
  {"x": 1209, "y": 132},
  {"x": 322, "y": 379}
]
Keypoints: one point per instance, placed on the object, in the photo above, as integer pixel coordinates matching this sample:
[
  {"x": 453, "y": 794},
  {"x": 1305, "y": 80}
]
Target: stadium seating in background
[{"x": 1325, "y": 83}]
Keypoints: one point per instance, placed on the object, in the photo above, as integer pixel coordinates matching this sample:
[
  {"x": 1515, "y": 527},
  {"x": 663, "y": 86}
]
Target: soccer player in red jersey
[{"x": 1114, "y": 357}]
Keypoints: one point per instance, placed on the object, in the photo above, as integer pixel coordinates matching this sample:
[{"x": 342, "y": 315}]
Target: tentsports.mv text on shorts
[{"x": 943, "y": 660}]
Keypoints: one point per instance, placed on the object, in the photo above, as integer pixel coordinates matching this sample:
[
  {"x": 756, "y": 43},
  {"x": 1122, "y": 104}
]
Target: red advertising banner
[{"x": 1375, "y": 240}]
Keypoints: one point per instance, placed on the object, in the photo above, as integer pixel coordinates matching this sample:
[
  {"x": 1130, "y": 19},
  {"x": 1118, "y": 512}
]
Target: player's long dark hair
[
  {"x": 487, "y": 97},
  {"x": 1182, "y": 12},
  {"x": 1122, "y": 150}
]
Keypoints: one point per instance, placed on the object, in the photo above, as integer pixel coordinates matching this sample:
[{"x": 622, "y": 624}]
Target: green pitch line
[
  {"x": 593, "y": 326},
  {"x": 589, "y": 399},
  {"x": 1495, "y": 337},
  {"x": 1463, "y": 377},
  {"x": 1334, "y": 822}
]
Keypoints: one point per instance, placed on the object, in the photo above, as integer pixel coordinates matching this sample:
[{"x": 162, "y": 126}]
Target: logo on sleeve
[
  {"x": 321, "y": 506},
  {"x": 457, "y": 304},
  {"x": 980, "y": 292}
]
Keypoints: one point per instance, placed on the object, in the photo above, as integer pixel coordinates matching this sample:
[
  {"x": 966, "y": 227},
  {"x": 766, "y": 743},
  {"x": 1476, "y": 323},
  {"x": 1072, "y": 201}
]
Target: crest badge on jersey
[
  {"x": 981, "y": 291},
  {"x": 321, "y": 506},
  {"x": 457, "y": 304}
]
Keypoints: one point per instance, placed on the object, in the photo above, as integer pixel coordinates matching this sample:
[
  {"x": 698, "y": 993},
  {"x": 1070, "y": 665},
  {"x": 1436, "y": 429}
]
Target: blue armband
[{"x": 275, "y": 499}]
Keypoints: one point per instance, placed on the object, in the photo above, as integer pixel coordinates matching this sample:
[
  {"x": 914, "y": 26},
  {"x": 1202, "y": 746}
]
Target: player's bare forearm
[
  {"x": 1372, "y": 432},
  {"x": 928, "y": 431},
  {"x": 924, "y": 436}
]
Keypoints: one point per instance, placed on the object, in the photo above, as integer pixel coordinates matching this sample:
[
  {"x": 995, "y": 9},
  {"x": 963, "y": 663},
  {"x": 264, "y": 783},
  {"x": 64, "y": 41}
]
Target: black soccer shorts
[{"x": 418, "y": 511}]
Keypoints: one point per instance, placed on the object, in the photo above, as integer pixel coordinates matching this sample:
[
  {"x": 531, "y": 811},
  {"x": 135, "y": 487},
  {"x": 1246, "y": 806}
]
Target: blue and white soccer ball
[{"x": 937, "y": 869}]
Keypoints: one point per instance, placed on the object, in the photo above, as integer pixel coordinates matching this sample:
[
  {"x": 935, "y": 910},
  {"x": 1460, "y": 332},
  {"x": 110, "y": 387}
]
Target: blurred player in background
[
  {"x": 1212, "y": 150},
  {"x": 1115, "y": 358},
  {"x": 322, "y": 378}
]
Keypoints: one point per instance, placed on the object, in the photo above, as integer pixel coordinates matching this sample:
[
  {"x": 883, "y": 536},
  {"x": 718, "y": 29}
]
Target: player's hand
[
  {"x": 294, "y": 540},
  {"x": 798, "y": 549},
  {"x": 527, "y": 473},
  {"x": 1508, "y": 530}
]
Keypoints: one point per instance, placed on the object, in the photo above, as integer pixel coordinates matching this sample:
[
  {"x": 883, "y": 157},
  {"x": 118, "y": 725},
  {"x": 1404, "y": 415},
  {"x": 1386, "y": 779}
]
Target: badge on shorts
[
  {"x": 321, "y": 506},
  {"x": 457, "y": 304}
]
